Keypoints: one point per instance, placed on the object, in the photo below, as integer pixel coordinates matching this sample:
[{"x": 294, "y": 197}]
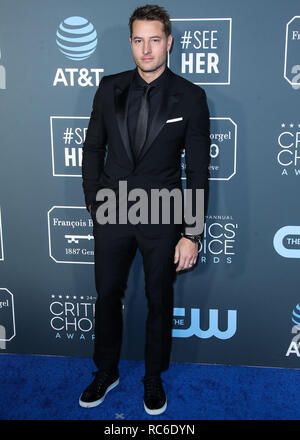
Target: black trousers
[{"x": 115, "y": 248}]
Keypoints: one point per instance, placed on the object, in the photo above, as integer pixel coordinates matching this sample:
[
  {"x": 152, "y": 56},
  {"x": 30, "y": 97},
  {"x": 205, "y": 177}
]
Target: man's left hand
[{"x": 186, "y": 254}]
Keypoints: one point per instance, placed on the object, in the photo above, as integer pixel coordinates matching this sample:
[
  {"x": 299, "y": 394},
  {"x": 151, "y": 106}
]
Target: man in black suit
[{"x": 145, "y": 116}]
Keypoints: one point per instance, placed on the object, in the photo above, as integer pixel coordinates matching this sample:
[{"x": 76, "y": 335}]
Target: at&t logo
[
  {"x": 294, "y": 345},
  {"x": 77, "y": 39}
]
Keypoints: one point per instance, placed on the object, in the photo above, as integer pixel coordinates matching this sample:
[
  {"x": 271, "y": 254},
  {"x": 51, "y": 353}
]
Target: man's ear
[{"x": 170, "y": 42}]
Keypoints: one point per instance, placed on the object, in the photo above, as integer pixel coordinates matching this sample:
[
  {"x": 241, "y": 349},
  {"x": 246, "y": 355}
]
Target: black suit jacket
[{"x": 182, "y": 121}]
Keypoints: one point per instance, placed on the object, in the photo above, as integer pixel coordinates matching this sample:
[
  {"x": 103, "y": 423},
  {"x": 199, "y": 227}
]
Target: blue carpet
[{"x": 48, "y": 388}]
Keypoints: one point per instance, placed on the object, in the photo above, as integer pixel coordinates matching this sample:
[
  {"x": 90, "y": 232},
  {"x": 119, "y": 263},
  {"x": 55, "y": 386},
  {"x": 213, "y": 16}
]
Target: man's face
[{"x": 149, "y": 44}]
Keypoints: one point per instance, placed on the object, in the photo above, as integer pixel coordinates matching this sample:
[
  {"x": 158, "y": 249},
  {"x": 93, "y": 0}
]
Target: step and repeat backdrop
[{"x": 241, "y": 304}]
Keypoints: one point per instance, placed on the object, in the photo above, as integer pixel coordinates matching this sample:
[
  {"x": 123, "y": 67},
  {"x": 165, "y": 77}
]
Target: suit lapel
[
  {"x": 121, "y": 91},
  {"x": 159, "y": 120},
  {"x": 121, "y": 106}
]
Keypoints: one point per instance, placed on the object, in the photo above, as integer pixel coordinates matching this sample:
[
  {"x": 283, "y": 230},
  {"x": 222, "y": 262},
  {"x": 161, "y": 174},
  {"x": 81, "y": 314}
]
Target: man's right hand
[{"x": 89, "y": 208}]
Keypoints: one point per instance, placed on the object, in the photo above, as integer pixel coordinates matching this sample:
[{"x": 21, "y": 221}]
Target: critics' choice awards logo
[
  {"x": 189, "y": 324},
  {"x": 67, "y": 137},
  {"x": 286, "y": 241},
  {"x": 77, "y": 39},
  {"x": 201, "y": 51},
  {"x": 70, "y": 235},
  {"x": 72, "y": 316},
  {"x": 294, "y": 347},
  {"x": 292, "y": 52},
  {"x": 219, "y": 239},
  {"x": 288, "y": 149},
  {"x": 223, "y": 149},
  {"x": 7, "y": 317}
]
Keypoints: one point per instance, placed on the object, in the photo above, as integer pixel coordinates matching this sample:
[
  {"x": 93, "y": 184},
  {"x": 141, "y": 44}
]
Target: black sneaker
[
  {"x": 95, "y": 393},
  {"x": 155, "y": 400}
]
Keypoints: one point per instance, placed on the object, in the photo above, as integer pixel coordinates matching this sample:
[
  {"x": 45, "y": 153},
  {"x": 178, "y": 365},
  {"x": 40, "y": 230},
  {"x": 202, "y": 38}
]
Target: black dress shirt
[{"x": 135, "y": 96}]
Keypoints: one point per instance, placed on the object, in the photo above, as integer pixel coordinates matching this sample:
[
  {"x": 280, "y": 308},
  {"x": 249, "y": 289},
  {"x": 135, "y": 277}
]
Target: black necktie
[{"x": 142, "y": 122}]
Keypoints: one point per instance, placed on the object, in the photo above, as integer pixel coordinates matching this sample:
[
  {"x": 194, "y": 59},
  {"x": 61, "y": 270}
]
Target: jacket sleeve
[
  {"x": 197, "y": 155},
  {"x": 94, "y": 147}
]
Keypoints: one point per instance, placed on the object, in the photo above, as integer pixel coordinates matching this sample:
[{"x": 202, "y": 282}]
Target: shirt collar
[{"x": 138, "y": 81}]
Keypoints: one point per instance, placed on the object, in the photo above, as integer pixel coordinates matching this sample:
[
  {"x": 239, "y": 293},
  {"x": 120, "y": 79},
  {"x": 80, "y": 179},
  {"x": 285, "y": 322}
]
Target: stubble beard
[{"x": 153, "y": 69}]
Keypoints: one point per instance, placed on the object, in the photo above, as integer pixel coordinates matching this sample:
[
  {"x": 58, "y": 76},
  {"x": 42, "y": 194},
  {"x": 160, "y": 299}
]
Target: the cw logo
[
  {"x": 213, "y": 329},
  {"x": 286, "y": 241}
]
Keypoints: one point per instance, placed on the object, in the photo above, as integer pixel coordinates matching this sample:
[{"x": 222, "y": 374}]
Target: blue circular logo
[
  {"x": 296, "y": 315},
  {"x": 76, "y": 38}
]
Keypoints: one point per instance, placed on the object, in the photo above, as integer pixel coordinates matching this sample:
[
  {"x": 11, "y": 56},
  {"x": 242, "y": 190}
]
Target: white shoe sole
[
  {"x": 97, "y": 402},
  {"x": 155, "y": 412}
]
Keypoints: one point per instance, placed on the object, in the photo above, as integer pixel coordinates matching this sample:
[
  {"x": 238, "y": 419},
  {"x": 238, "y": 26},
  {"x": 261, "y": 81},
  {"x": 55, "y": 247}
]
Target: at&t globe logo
[
  {"x": 76, "y": 38},
  {"x": 294, "y": 348}
]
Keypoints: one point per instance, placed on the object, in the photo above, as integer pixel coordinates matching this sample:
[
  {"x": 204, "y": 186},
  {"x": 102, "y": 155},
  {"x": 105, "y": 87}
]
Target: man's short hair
[{"x": 151, "y": 12}]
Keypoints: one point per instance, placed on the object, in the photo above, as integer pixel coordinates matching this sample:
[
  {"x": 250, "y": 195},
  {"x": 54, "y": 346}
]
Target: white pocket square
[{"x": 174, "y": 120}]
